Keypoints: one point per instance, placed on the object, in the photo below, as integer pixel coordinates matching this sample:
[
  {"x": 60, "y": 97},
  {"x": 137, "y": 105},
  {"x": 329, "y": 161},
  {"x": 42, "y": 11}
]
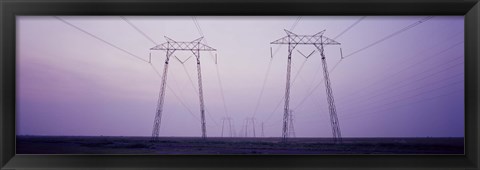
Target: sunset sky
[{"x": 398, "y": 78}]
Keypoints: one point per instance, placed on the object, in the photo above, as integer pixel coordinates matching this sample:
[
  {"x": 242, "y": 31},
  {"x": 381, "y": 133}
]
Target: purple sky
[{"x": 410, "y": 85}]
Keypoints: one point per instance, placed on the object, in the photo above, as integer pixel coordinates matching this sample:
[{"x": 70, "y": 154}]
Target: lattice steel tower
[
  {"x": 229, "y": 122},
  {"x": 263, "y": 133},
  {"x": 319, "y": 41},
  {"x": 250, "y": 122},
  {"x": 170, "y": 47}
]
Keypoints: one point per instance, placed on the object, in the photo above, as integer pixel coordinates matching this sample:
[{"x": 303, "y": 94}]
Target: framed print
[{"x": 254, "y": 84}]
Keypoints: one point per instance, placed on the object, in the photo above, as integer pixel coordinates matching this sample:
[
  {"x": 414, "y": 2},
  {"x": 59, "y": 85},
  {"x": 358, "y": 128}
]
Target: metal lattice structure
[
  {"x": 291, "y": 128},
  {"x": 319, "y": 41},
  {"x": 250, "y": 122},
  {"x": 228, "y": 120},
  {"x": 263, "y": 133},
  {"x": 170, "y": 47}
]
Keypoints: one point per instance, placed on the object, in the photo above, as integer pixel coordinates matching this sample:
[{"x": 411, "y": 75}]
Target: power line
[
  {"x": 295, "y": 23},
  {"x": 388, "y": 88},
  {"x": 375, "y": 43},
  {"x": 291, "y": 29},
  {"x": 181, "y": 101},
  {"x": 336, "y": 64},
  {"x": 189, "y": 78},
  {"x": 199, "y": 29},
  {"x": 411, "y": 90},
  {"x": 313, "y": 90},
  {"x": 280, "y": 101},
  {"x": 221, "y": 90},
  {"x": 418, "y": 81},
  {"x": 195, "y": 89},
  {"x": 100, "y": 39},
  {"x": 391, "y": 35},
  {"x": 350, "y": 27},
  {"x": 268, "y": 69},
  {"x": 138, "y": 30},
  {"x": 385, "y": 89},
  {"x": 343, "y": 32},
  {"x": 406, "y": 104},
  {"x": 414, "y": 57},
  {"x": 149, "y": 38},
  {"x": 263, "y": 88},
  {"x": 211, "y": 118},
  {"x": 409, "y": 97},
  {"x": 121, "y": 49},
  {"x": 390, "y": 76},
  {"x": 407, "y": 68},
  {"x": 397, "y": 106},
  {"x": 401, "y": 99},
  {"x": 176, "y": 96}
]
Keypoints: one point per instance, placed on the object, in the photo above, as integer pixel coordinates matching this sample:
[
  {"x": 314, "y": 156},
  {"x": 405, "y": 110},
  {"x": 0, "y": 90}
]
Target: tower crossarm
[
  {"x": 194, "y": 45},
  {"x": 316, "y": 39}
]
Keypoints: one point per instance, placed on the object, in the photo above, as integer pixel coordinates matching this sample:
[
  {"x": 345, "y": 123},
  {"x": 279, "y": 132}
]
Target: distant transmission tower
[
  {"x": 241, "y": 131},
  {"x": 234, "y": 131},
  {"x": 291, "y": 129},
  {"x": 317, "y": 40},
  {"x": 245, "y": 127},
  {"x": 263, "y": 133},
  {"x": 250, "y": 122},
  {"x": 229, "y": 122},
  {"x": 170, "y": 47}
]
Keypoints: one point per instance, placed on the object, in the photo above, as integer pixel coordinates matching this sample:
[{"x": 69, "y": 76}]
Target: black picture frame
[{"x": 11, "y": 8}]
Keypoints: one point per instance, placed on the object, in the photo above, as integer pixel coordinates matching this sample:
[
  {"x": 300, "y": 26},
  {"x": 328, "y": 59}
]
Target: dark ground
[{"x": 193, "y": 145}]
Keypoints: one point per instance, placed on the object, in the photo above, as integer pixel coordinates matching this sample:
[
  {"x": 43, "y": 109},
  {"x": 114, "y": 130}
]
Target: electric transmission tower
[
  {"x": 263, "y": 133},
  {"x": 291, "y": 129},
  {"x": 250, "y": 121},
  {"x": 170, "y": 47},
  {"x": 229, "y": 122},
  {"x": 319, "y": 41}
]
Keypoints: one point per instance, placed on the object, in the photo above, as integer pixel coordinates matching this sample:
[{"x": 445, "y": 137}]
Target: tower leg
[
  {"x": 223, "y": 124},
  {"x": 200, "y": 95},
  {"x": 246, "y": 127},
  {"x": 263, "y": 134},
  {"x": 331, "y": 102},
  {"x": 291, "y": 129},
  {"x": 230, "y": 127},
  {"x": 286, "y": 107},
  {"x": 161, "y": 99},
  {"x": 253, "y": 125}
]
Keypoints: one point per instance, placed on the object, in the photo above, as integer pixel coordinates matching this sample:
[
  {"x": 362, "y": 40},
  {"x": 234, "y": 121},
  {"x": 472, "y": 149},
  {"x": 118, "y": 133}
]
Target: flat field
[{"x": 217, "y": 145}]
